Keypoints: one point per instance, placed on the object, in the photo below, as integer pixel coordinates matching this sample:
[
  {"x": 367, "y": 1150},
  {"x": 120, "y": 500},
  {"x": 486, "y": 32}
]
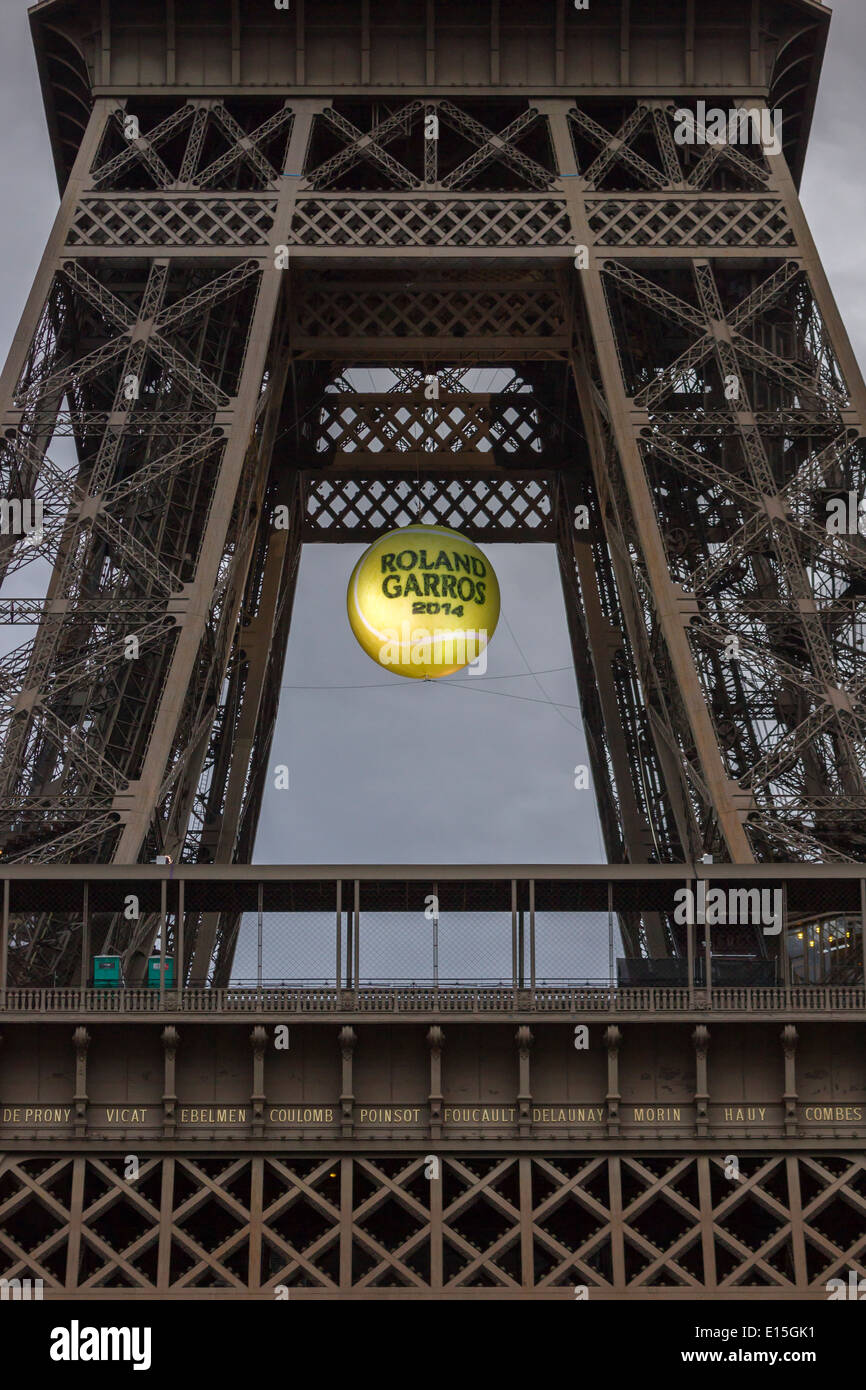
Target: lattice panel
[
  {"x": 117, "y": 560},
  {"x": 619, "y": 1225},
  {"x": 35, "y": 1218},
  {"x": 146, "y": 221},
  {"x": 641, "y": 153},
  {"x": 459, "y": 423},
  {"x": 120, "y": 1226},
  {"x": 481, "y": 1223},
  {"x": 301, "y": 1223},
  {"x": 767, "y": 572},
  {"x": 200, "y": 145},
  {"x": 332, "y": 311},
  {"x": 753, "y": 1231},
  {"x": 662, "y": 1222},
  {"x": 572, "y": 1222},
  {"x": 502, "y": 222},
  {"x": 833, "y": 1195},
  {"x": 690, "y": 222},
  {"x": 393, "y": 152},
  {"x": 391, "y": 1223},
  {"x": 346, "y": 507}
]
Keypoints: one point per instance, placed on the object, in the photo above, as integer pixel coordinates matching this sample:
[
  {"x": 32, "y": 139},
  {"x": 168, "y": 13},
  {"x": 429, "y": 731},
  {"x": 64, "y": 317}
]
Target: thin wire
[
  {"x": 530, "y": 699},
  {"x": 530, "y": 672},
  {"x": 568, "y": 721},
  {"x": 452, "y": 685},
  {"x": 580, "y": 729},
  {"x": 384, "y": 685}
]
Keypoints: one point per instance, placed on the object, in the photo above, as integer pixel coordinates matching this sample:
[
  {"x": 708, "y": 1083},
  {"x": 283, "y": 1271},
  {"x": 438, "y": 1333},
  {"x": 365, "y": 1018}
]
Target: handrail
[{"x": 425, "y": 999}]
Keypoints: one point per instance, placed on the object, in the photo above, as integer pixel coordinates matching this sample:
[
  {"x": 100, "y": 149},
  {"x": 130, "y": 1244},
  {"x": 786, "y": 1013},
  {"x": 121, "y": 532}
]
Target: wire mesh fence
[
  {"x": 325, "y": 932},
  {"x": 576, "y": 947},
  {"x": 501, "y": 947},
  {"x": 297, "y": 948},
  {"x": 396, "y": 948},
  {"x": 423, "y": 947},
  {"x": 474, "y": 948}
]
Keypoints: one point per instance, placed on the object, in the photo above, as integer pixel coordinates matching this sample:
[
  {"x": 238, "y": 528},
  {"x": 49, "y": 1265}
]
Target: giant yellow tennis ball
[{"x": 423, "y": 601}]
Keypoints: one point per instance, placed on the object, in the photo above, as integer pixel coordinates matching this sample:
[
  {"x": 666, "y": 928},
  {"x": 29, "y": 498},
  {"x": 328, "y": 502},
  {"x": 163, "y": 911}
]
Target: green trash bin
[
  {"x": 107, "y": 972},
  {"x": 153, "y": 963}
]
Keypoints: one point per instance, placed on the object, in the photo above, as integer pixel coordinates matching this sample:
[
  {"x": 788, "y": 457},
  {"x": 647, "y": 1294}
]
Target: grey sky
[{"x": 407, "y": 771}]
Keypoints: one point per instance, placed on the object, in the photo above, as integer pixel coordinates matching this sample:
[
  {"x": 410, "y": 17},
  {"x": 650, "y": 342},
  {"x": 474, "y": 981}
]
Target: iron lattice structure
[
  {"x": 186, "y": 366},
  {"x": 533, "y": 1224}
]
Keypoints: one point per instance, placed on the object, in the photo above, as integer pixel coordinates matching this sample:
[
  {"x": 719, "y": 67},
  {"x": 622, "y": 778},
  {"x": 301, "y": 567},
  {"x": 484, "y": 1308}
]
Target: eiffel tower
[
  {"x": 680, "y": 403},
  {"x": 540, "y": 274}
]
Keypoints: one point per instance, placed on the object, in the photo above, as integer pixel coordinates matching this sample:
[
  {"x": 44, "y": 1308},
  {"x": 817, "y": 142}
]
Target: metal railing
[
  {"x": 548, "y": 932},
  {"x": 430, "y": 999}
]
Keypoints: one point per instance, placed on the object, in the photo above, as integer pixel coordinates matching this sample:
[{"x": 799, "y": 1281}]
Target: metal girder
[
  {"x": 751, "y": 507},
  {"x": 703, "y": 516},
  {"x": 367, "y": 146},
  {"x": 493, "y": 146},
  {"x": 144, "y": 148},
  {"x": 243, "y": 147}
]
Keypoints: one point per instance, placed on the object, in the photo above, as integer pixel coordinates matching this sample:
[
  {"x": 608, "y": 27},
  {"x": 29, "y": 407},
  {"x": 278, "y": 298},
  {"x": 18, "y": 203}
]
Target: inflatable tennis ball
[{"x": 423, "y": 601}]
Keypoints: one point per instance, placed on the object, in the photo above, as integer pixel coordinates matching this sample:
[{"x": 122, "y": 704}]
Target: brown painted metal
[
  {"x": 487, "y": 223},
  {"x": 204, "y": 388},
  {"x": 520, "y": 1183}
]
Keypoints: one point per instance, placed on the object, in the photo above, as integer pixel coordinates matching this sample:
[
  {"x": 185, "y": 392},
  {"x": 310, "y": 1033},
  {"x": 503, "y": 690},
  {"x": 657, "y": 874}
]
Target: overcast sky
[{"x": 385, "y": 770}]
